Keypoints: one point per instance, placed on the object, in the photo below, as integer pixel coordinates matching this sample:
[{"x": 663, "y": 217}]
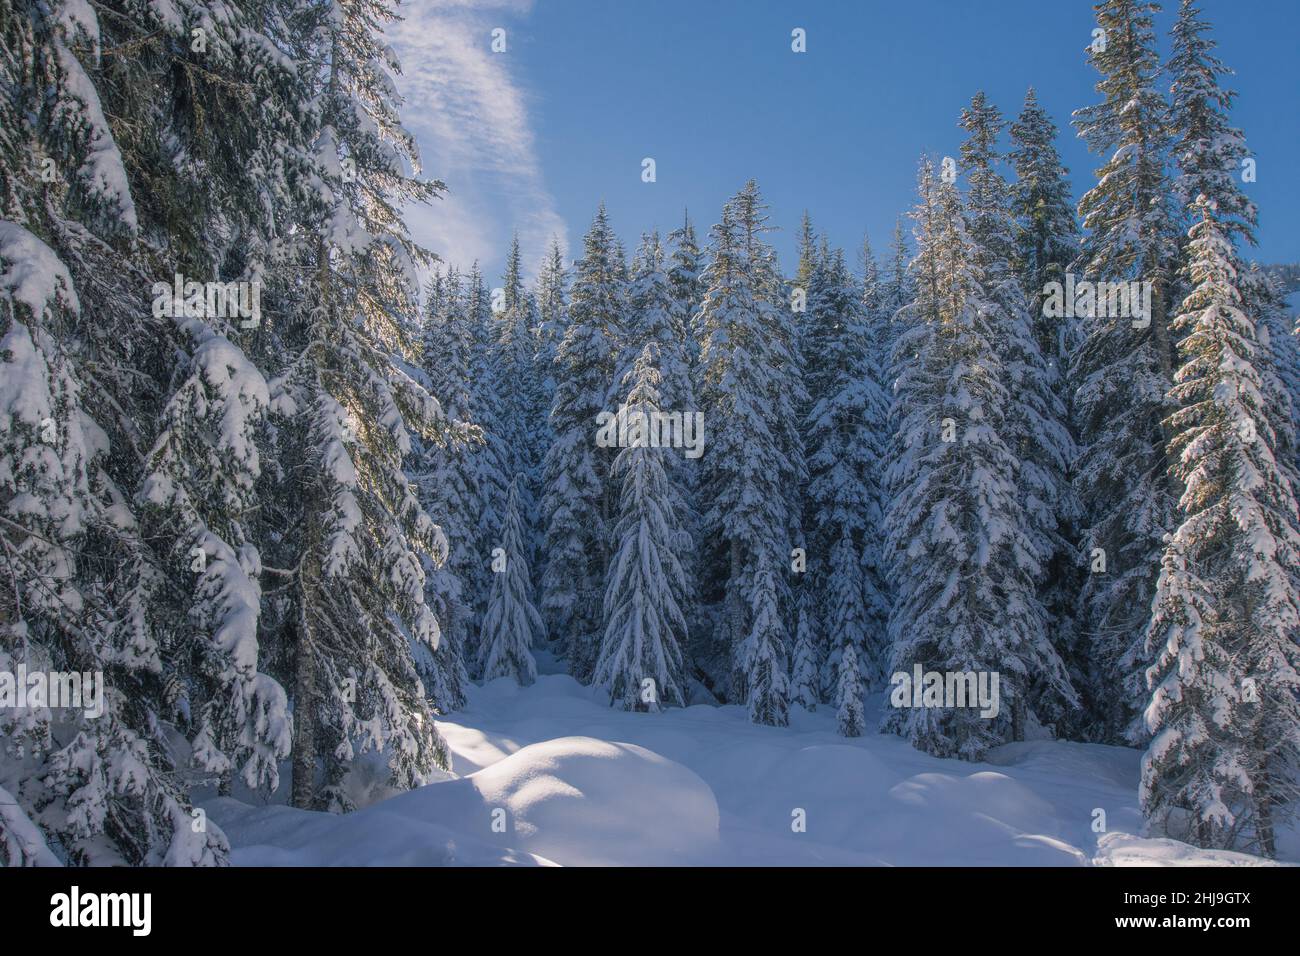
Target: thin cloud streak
[{"x": 471, "y": 121}]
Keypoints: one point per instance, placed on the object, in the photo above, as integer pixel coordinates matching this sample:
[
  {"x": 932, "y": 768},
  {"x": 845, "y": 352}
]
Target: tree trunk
[
  {"x": 1264, "y": 812},
  {"x": 735, "y": 620},
  {"x": 304, "y": 720}
]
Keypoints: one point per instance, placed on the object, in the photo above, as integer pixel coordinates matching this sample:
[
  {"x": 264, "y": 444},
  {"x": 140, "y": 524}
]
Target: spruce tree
[
  {"x": 1208, "y": 150},
  {"x": 92, "y": 219},
  {"x": 958, "y": 536},
  {"x": 353, "y": 598},
  {"x": 511, "y": 624},
  {"x": 1035, "y": 427},
  {"x": 522, "y": 393},
  {"x": 1224, "y": 716},
  {"x": 763, "y": 652},
  {"x": 752, "y": 465},
  {"x": 806, "y": 665},
  {"x": 842, "y": 500},
  {"x": 645, "y": 628},
  {"x": 1046, "y": 231},
  {"x": 576, "y": 474},
  {"x": 1121, "y": 372},
  {"x": 850, "y": 720}
]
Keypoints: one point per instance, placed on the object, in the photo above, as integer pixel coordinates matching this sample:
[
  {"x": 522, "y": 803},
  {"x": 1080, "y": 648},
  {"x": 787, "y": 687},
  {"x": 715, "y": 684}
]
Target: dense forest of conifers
[{"x": 289, "y": 481}]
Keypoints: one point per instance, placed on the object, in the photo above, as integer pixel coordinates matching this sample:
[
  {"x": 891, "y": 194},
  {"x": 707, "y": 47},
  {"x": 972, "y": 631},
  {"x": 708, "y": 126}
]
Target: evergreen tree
[
  {"x": 1262, "y": 297},
  {"x": 842, "y": 499},
  {"x": 763, "y": 653},
  {"x": 1208, "y": 151},
  {"x": 645, "y": 628},
  {"x": 552, "y": 307},
  {"x": 753, "y": 463},
  {"x": 684, "y": 271},
  {"x": 850, "y": 720},
  {"x": 806, "y": 667},
  {"x": 446, "y": 483},
  {"x": 91, "y": 220},
  {"x": 958, "y": 536},
  {"x": 1046, "y": 231},
  {"x": 1224, "y": 714},
  {"x": 897, "y": 291},
  {"x": 344, "y": 411},
  {"x": 1034, "y": 426},
  {"x": 522, "y": 393},
  {"x": 493, "y": 457},
  {"x": 573, "y": 507},
  {"x": 1122, "y": 370},
  {"x": 511, "y": 624},
  {"x": 551, "y": 296},
  {"x": 656, "y": 315}
]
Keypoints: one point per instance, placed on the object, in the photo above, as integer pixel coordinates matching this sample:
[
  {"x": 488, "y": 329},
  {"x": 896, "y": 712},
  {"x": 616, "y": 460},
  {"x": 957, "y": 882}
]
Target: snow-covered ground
[{"x": 549, "y": 774}]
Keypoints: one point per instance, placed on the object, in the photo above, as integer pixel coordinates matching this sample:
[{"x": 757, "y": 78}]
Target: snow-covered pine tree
[
  {"x": 522, "y": 393},
  {"x": 656, "y": 316},
  {"x": 958, "y": 536},
  {"x": 849, "y": 716},
  {"x": 897, "y": 290},
  {"x": 875, "y": 568},
  {"x": 1034, "y": 426},
  {"x": 1046, "y": 231},
  {"x": 76, "y": 789},
  {"x": 84, "y": 244},
  {"x": 493, "y": 456},
  {"x": 1262, "y": 297},
  {"x": 511, "y": 624},
  {"x": 1224, "y": 715},
  {"x": 1121, "y": 372},
  {"x": 843, "y": 429},
  {"x": 763, "y": 654},
  {"x": 552, "y": 297},
  {"x": 198, "y": 492},
  {"x": 353, "y": 531},
  {"x": 645, "y": 627},
  {"x": 446, "y": 483},
  {"x": 686, "y": 265},
  {"x": 573, "y": 505},
  {"x": 749, "y": 390},
  {"x": 1208, "y": 151},
  {"x": 811, "y": 254},
  {"x": 806, "y": 665}
]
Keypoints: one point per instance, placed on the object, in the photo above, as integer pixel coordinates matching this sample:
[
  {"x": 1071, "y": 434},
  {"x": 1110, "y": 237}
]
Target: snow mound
[
  {"x": 283, "y": 836},
  {"x": 1124, "y": 849},
  {"x": 952, "y": 820},
  {"x": 576, "y": 801},
  {"x": 586, "y": 802}
]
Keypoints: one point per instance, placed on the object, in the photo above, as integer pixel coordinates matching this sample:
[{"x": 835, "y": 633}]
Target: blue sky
[{"x": 533, "y": 138}]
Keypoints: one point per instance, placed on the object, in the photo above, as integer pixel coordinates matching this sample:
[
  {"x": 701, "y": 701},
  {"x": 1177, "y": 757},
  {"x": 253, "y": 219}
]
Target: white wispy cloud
[{"x": 470, "y": 117}]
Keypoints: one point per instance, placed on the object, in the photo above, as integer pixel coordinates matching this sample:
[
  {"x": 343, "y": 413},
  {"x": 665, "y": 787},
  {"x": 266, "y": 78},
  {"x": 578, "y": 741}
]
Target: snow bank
[
  {"x": 549, "y": 773},
  {"x": 1123, "y": 849},
  {"x": 580, "y": 801},
  {"x": 575, "y": 801}
]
